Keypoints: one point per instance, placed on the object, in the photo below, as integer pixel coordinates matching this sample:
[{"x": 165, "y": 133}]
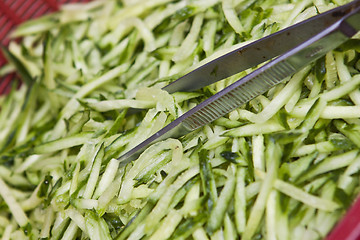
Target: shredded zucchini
[{"x": 283, "y": 166}]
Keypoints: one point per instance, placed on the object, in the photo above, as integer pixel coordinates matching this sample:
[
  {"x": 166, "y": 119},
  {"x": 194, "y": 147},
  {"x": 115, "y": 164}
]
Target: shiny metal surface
[
  {"x": 260, "y": 51},
  {"x": 324, "y": 33}
]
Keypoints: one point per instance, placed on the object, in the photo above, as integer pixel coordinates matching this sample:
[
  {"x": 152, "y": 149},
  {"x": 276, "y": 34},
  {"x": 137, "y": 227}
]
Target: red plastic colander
[{"x": 14, "y": 12}]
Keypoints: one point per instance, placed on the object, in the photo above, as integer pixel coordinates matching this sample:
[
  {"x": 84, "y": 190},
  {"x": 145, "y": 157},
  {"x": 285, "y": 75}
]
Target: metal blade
[{"x": 257, "y": 52}]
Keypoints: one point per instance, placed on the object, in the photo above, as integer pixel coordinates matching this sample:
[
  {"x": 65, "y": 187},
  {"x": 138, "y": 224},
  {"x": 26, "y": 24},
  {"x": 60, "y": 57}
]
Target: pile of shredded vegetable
[{"x": 284, "y": 166}]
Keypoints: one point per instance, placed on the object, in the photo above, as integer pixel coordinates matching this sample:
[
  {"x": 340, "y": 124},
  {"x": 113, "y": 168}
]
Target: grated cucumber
[{"x": 283, "y": 166}]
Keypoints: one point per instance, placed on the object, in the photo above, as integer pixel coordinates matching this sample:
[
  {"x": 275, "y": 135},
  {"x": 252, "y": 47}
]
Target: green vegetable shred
[{"x": 286, "y": 165}]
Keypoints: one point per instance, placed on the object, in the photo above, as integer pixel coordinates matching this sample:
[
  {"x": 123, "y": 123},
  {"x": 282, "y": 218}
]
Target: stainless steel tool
[{"x": 291, "y": 49}]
